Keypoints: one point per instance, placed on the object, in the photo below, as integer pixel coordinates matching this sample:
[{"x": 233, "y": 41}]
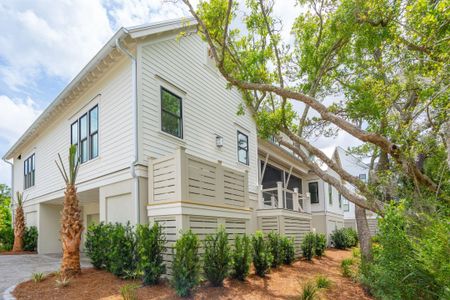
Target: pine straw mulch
[
  {"x": 282, "y": 283},
  {"x": 17, "y": 252}
]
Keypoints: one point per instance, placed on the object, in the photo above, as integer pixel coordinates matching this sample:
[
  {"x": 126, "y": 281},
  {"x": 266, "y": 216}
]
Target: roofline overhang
[{"x": 133, "y": 32}]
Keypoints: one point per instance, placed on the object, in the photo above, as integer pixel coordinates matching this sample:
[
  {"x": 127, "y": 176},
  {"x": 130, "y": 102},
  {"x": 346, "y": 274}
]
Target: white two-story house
[{"x": 159, "y": 140}]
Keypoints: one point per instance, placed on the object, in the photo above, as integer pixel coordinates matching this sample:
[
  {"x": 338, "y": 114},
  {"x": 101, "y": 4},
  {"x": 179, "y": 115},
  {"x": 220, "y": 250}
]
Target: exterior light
[{"x": 219, "y": 141}]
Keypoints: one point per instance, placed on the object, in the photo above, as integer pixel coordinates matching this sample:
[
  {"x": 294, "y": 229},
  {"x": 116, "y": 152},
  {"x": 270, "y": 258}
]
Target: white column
[
  {"x": 280, "y": 194},
  {"x": 295, "y": 200},
  {"x": 260, "y": 197},
  {"x": 307, "y": 203}
]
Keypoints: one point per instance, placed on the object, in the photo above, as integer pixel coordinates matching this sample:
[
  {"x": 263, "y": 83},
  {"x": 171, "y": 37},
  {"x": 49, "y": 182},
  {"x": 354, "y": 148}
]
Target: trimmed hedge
[
  {"x": 344, "y": 238},
  {"x": 262, "y": 256},
  {"x": 274, "y": 239},
  {"x": 30, "y": 239},
  {"x": 320, "y": 244},
  {"x": 98, "y": 242},
  {"x": 309, "y": 245},
  {"x": 242, "y": 257},
  {"x": 217, "y": 257},
  {"x": 288, "y": 250},
  {"x": 151, "y": 243}
]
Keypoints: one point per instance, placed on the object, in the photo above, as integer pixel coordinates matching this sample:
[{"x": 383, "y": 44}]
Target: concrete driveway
[{"x": 18, "y": 268}]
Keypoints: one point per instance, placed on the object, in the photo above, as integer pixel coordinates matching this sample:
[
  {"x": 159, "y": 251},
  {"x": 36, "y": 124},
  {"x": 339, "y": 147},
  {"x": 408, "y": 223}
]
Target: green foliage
[
  {"x": 288, "y": 250},
  {"x": 129, "y": 291},
  {"x": 344, "y": 238},
  {"x": 217, "y": 257},
  {"x": 308, "y": 245},
  {"x": 242, "y": 257},
  {"x": 346, "y": 265},
  {"x": 322, "y": 282},
  {"x": 151, "y": 246},
  {"x": 186, "y": 264},
  {"x": 122, "y": 257},
  {"x": 262, "y": 256},
  {"x": 98, "y": 243},
  {"x": 413, "y": 250},
  {"x": 37, "y": 277},
  {"x": 320, "y": 244},
  {"x": 6, "y": 239},
  {"x": 309, "y": 291},
  {"x": 30, "y": 239},
  {"x": 5, "y": 209},
  {"x": 276, "y": 249}
]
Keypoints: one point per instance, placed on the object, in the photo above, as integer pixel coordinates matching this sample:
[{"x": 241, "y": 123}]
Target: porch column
[
  {"x": 260, "y": 197},
  {"x": 295, "y": 200},
  {"x": 307, "y": 203},
  {"x": 280, "y": 194}
]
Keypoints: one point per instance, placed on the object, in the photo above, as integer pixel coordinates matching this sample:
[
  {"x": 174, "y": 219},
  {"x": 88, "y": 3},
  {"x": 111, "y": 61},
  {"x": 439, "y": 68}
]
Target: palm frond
[
  {"x": 74, "y": 160},
  {"x": 19, "y": 199}
]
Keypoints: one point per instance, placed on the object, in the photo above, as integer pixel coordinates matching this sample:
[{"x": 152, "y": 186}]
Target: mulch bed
[
  {"x": 17, "y": 253},
  {"x": 282, "y": 283}
]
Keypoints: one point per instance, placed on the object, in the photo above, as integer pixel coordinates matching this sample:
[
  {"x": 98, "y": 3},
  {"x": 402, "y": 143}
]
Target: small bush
[
  {"x": 129, "y": 291},
  {"x": 352, "y": 237},
  {"x": 242, "y": 257},
  {"x": 308, "y": 245},
  {"x": 322, "y": 282},
  {"x": 6, "y": 238},
  {"x": 63, "y": 282},
  {"x": 122, "y": 256},
  {"x": 30, "y": 238},
  {"x": 346, "y": 265},
  {"x": 288, "y": 250},
  {"x": 320, "y": 244},
  {"x": 151, "y": 245},
  {"x": 309, "y": 291},
  {"x": 37, "y": 277},
  {"x": 98, "y": 243},
  {"x": 186, "y": 264},
  {"x": 344, "y": 238},
  {"x": 262, "y": 257},
  {"x": 274, "y": 239},
  {"x": 217, "y": 258}
]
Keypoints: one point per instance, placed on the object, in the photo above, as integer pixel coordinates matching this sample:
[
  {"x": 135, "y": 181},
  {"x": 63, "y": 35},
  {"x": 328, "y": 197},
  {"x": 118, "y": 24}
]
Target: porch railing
[{"x": 281, "y": 197}]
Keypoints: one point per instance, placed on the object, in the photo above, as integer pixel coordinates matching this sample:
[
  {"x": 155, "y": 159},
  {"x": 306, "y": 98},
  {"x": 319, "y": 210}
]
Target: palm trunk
[
  {"x": 71, "y": 228},
  {"x": 19, "y": 229},
  {"x": 364, "y": 237}
]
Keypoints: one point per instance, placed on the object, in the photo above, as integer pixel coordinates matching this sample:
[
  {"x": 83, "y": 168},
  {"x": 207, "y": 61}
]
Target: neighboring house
[
  {"x": 326, "y": 205},
  {"x": 357, "y": 168},
  {"x": 160, "y": 141}
]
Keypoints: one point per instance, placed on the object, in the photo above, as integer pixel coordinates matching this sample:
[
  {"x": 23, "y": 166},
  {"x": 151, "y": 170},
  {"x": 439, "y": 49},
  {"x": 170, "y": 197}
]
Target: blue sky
[{"x": 44, "y": 44}]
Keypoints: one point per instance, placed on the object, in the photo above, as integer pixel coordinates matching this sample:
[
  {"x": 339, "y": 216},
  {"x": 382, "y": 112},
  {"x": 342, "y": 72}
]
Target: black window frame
[
  {"x": 362, "y": 177},
  {"x": 29, "y": 171},
  {"x": 330, "y": 194},
  {"x": 88, "y": 135},
  {"x": 340, "y": 200},
  {"x": 163, "y": 111},
  {"x": 246, "y": 149},
  {"x": 317, "y": 191}
]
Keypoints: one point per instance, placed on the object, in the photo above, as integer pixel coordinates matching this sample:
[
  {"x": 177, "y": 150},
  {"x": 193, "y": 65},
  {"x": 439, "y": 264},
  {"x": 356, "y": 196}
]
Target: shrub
[
  {"x": 62, "y": 282},
  {"x": 6, "y": 238},
  {"x": 262, "y": 257},
  {"x": 129, "y": 291},
  {"x": 151, "y": 245},
  {"x": 122, "y": 258},
  {"x": 242, "y": 257},
  {"x": 308, "y": 245},
  {"x": 186, "y": 264},
  {"x": 344, "y": 238},
  {"x": 288, "y": 250},
  {"x": 352, "y": 237},
  {"x": 37, "y": 277},
  {"x": 30, "y": 238},
  {"x": 322, "y": 282},
  {"x": 274, "y": 239},
  {"x": 217, "y": 258},
  {"x": 98, "y": 244},
  {"x": 346, "y": 267},
  {"x": 309, "y": 291},
  {"x": 320, "y": 244}
]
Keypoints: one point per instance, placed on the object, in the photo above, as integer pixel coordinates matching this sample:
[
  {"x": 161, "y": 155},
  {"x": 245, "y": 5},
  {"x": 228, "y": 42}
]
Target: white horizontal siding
[
  {"x": 208, "y": 107},
  {"x": 115, "y": 135}
]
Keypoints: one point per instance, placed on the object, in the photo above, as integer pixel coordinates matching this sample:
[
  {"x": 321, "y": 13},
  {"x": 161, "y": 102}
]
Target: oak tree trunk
[
  {"x": 364, "y": 237},
  {"x": 71, "y": 228}
]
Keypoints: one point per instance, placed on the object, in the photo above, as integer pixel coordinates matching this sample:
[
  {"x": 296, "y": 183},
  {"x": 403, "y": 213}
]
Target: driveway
[{"x": 18, "y": 268}]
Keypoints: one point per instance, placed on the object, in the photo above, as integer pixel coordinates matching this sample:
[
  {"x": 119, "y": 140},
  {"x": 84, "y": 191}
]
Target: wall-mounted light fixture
[{"x": 219, "y": 141}]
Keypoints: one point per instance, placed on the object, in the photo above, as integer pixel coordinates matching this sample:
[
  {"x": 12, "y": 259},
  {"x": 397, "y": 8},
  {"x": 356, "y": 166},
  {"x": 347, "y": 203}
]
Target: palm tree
[
  {"x": 71, "y": 223},
  {"x": 19, "y": 225}
]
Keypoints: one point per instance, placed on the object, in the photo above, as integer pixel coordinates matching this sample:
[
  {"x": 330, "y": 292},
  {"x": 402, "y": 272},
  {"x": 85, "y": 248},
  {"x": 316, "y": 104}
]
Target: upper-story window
[
  {"x": 363, "y": 177},
  {"x": 242, "y": 148},
  {"x": 84, "y": 135},
  {"x": 171, "y": 113},
  {"x": 313, "y": 188},
  {"x": 346, "y": 205},
  {"x": 330, "y": 194},
  {"x": 28, "y": 171},
  {"x": 340, "y": 200}
]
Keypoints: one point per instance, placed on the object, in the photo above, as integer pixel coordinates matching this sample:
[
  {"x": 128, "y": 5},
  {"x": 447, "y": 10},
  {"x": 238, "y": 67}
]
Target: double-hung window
[
  {"x": 340, "y": 200},
  {"x": 330, "y": 194},
  {"x": 313, "y": 188},
  {"x": 28, "y": 171},
  {"x": 171, "y": 113},
  {"x": 242, "y": 148},
  {"x": 84, "y": 135}
]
